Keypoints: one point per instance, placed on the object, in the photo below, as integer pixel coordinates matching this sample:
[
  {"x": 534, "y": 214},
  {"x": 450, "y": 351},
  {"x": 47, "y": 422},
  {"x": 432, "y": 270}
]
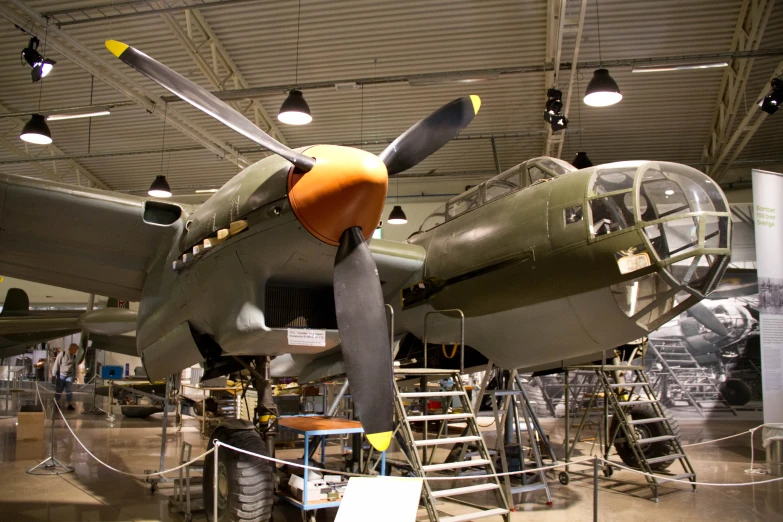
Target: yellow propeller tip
[
  {"x": 116, "y": 48},
  {"x": 380, "y": 441},
  {"x": 476, "y": 103}
]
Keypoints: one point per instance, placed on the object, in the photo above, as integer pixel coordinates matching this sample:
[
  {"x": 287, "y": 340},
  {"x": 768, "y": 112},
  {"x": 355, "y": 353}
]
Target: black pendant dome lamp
[
  {"x": 602, "y": 90},
  {"x": 294, "y": 110}
]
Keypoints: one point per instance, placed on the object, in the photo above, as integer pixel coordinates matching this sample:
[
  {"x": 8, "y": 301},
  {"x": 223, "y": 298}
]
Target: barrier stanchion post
[
  {"x": 595, "y": 489},
  {"x": 215, "y": 483}
]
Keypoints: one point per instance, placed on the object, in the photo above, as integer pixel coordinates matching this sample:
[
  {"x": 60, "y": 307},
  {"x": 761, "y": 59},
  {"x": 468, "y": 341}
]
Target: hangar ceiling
[{"x": 404, "y": 57}]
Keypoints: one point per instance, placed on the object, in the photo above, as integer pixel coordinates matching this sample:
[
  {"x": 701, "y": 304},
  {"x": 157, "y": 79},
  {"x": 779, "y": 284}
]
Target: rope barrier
[
  {"x": 188, "y": 463},
  {"x": 556, "y": 465},
  {"x": 688, "y": 482}
]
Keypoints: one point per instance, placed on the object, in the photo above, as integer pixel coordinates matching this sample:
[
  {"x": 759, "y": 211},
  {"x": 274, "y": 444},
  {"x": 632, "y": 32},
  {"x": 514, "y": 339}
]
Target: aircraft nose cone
[{"x": 346, "y": 188}]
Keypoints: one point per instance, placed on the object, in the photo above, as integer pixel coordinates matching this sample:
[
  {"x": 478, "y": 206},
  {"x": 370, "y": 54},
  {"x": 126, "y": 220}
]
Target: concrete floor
[{"x": 93, "y": 492}]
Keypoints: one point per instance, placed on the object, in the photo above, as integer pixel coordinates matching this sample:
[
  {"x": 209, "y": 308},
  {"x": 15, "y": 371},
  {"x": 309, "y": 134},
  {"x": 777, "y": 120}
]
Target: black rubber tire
[
  {"x": 250, "y": 483},
  {"x": 564, "y": 478},
  {"x": 736, "y": 392},
  {"x": 139, "y": 412},
  {"x": 655, "y": 429}
]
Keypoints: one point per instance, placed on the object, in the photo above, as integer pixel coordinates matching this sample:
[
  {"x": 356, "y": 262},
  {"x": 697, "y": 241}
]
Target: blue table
[{"x": 319, "y": 426}]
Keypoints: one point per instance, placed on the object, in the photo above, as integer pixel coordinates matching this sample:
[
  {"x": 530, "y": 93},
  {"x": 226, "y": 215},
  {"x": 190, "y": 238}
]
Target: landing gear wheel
[
  {"x": 645, "y": 431},
  {"x": 736, "y": 392},
  {"x": 246, "y": 484},
  {"x": 564, "y": 478},
  {"x": 608, "y": 471}
]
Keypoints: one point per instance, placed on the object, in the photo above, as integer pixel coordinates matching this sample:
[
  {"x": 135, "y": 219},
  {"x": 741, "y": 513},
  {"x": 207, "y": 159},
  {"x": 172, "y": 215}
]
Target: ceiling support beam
[
  {"x": 129, "y": 9},
  {"x": 555, "y": 20},
  {"x": 219, "y": 69},
  {"x": 54, "y": 151},
  {"x": 746, "y": 128},
  {"x": 20, "y": 14},
  {"x": 488, "y": 74},
  {"x": 748, "y": 33}
]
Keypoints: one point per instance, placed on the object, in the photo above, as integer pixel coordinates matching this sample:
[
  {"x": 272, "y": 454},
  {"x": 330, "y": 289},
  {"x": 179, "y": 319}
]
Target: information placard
[
  {"x": 306, "y": 337},
  {"x": 767, "y": 207}
]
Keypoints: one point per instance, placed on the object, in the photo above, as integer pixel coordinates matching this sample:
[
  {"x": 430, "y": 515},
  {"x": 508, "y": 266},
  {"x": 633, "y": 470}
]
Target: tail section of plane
[{"x": 16, "y": 303}]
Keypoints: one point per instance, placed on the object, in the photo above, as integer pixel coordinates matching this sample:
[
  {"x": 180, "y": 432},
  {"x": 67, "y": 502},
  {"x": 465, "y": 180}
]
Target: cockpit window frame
[{"x": 522, "y": 173}]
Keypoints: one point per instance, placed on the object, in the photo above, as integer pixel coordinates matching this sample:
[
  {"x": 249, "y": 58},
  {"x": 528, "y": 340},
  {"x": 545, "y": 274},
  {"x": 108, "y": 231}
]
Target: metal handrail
[
  {"x": 391, "y": 329},
  {"x": 461, "y": 334}
]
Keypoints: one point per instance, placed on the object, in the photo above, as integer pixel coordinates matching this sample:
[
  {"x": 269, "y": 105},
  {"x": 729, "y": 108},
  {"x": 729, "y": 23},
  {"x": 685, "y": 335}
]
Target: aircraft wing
[
  {"x": 81, "y": 238},
  {"x": 398, "y": 264}
]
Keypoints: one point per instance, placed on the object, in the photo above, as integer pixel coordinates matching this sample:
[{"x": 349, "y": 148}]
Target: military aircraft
[
  {"x": 21, "y": 328},
  {"x": 547, "y": 262}
]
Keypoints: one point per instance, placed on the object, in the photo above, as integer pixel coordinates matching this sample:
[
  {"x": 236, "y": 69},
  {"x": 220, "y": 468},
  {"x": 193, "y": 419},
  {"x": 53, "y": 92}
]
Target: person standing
[{"x": 64, "y": 371}]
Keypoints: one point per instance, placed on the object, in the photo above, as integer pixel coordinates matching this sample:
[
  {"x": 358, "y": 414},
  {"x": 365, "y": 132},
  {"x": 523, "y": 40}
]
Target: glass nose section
[{"x": 684, "y": 216}]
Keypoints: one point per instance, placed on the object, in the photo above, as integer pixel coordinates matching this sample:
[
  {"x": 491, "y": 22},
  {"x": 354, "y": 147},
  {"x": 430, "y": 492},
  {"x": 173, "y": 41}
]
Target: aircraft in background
[
  {"x": 21, "y": 328},
  {"x": 548, "y": 263}
]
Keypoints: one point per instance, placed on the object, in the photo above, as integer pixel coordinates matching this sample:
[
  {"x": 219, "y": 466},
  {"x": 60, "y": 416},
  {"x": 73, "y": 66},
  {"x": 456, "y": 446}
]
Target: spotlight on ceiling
[
  {"x": 294, "y": 110},
  {"x": 602, "y": 90},
  {"x": 771, "y": 102},
  {"x": 36, "y": 131},
  {"x": 41, "y": 66},
  {"x": 553, "y": 111},
  {"x": 397, "y": 216},
  {"x": 160, "y": 188},
  {"x": 581, "y": 161}
]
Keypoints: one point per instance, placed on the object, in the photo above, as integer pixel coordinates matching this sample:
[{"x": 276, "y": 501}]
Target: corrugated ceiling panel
[{"x": 663, "y": 116}]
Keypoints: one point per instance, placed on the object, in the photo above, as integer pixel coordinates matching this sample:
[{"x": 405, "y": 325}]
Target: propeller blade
[
  {"x": 430, "y": 134},
  {"x": 205, "y": 101},
  {"x": 705, "y": 316},
  {"x": 364, "y": 337}
]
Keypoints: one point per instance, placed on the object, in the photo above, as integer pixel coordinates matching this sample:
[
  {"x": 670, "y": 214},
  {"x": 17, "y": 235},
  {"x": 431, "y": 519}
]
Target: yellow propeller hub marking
[
  {"x": 117, "y": 48},
  {"x": 380, "y": 441},
  {"x": 476, "y": 103}
]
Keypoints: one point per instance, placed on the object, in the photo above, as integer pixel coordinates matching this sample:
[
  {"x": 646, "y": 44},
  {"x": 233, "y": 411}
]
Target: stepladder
[
  {"x": 635, "y": 422},
  {"x": 434, "y": 423}
]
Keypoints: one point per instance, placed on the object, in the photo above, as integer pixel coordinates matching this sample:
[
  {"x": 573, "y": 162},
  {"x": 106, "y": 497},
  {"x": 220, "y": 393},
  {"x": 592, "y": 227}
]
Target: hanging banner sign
[{"x": 767, "y": 209}]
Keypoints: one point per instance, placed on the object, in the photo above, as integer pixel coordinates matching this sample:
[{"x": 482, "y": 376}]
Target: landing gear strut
[{"x": 265, "y": 418}]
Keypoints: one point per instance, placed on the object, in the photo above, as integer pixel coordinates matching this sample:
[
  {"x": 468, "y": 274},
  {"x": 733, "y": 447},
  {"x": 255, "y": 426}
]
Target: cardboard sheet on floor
[{"x": 380, "y": 499}]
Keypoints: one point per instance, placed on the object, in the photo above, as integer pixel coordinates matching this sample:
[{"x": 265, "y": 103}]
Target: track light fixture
[
  {"x": 397, "y": 216},
  {"x": 581, "y": 161},
  {"x": 160, "y": 188},
  {"x": 36, "y": 131},
  {"x": 41, "y": 66},
  {"x": 553, "y": 111},
  {"x": 771, "y": 102}
]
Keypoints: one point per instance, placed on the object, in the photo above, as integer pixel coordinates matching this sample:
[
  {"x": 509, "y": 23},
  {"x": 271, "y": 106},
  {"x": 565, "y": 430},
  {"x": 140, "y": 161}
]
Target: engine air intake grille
[{"x": 289, "y": 307}]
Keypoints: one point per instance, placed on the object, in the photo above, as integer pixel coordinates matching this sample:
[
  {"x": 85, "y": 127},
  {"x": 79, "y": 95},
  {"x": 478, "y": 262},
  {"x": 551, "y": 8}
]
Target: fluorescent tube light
[
  {"x": 57, "y": 117},
  {"x": 681, "y": 67}
]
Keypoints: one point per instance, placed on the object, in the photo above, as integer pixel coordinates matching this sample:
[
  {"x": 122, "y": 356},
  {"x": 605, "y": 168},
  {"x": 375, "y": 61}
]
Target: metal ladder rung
[
  {"x": 628, "y": 384},
  {"x": 464, "y": 490},
  {"x": 455, "y": 465},
  {"x": 424, "y": 371},
  {"x": 632, "y": 403},
  {"x": 647, "y": 421},
  {"x": 445, "y": 416},
  {"x": 448, "y": 440},
  {"x": 664, "y": 479},
  {"x": 475, "y": 515},
  {"x": 650, "y": 440},
  {"x": 432, "y": 394},
  {"x": 667, "y": 458}
]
